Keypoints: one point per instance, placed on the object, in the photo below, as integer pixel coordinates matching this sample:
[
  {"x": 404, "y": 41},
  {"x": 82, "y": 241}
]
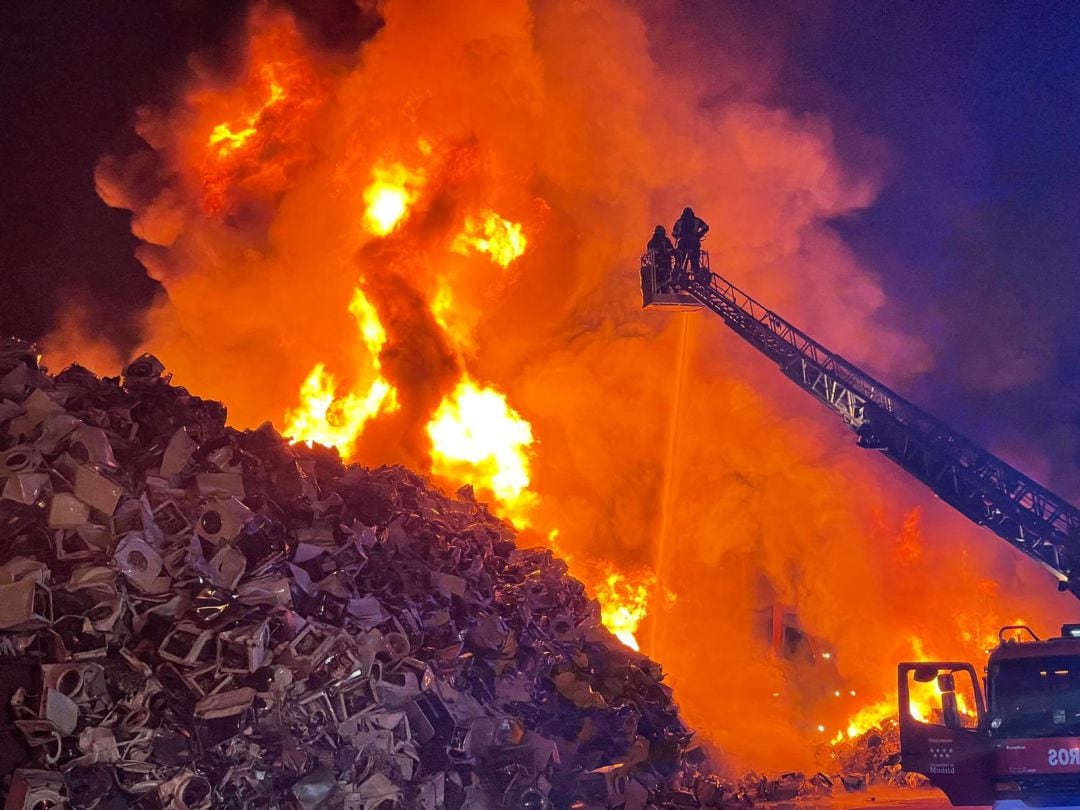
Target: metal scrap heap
[
  {"x": 873, "y": 758},
  {"x": 193, "y": 616}
]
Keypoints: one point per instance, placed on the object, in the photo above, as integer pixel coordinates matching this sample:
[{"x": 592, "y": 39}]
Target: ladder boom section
[{"x": 972, "y": 480}]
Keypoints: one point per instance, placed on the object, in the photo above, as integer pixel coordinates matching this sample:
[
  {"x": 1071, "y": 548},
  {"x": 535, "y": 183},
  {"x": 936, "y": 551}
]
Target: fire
[
  {"x": 979, "y": 632},
  {"x": 371, "y": 329},
  {"x": 337, "y": 419},
  {"x": 478, "y": 438},
  {"x": 455, "y": 321},
  {"x": 624, "y": 603},
  {"x": 924, "y": 699},
  {"x": 867, "y": 718},
  {"x": 225, "y": 139},
  {"x": 253, "y": 138},
  {"x": 261, "y": 194},
  {"x": 499, "y": 238},
  {"x": 392, "y": 190},
  {"x": 442, "y": 303}
]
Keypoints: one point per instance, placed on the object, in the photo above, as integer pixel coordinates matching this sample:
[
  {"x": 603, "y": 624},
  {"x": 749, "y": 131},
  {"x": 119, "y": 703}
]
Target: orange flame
[
  {"x": 478, "y": 438},
  {"x": 392, "y": 190},
  {"x": 451, "y": 317},
  {"x": 306, "y": 175},
  {"x": 337, "y": 420},
  {"x": 252, "y": 138},
  {"x": 624, "y": 603},
  {"x": 499, "y": 238},
  {"x": 868, "y": 717},
  {"x": 924, "y": 699},
  {"x": 225, "y": 139}
]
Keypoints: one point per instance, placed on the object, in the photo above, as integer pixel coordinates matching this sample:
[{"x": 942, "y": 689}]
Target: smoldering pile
[
  {"x": 872, "y": 758},
  {"x": 868, "y": 762},
  {"x": 193, "y": 616}
]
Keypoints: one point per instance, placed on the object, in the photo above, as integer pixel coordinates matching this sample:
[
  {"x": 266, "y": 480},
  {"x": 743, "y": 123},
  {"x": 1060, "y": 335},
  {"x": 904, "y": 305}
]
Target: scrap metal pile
[
  {"x": 872, "y": 758},
  {"x": 193, "y": 616}
]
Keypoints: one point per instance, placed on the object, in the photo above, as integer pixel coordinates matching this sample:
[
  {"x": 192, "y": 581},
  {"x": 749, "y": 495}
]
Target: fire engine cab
[{"x": 1022, "y": 742}]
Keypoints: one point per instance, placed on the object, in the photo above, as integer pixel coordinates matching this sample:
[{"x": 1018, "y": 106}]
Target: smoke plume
[{"x": 251, "y": 195}]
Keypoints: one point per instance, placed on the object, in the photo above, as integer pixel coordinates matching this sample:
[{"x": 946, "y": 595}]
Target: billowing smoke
[{"x": 254, "y": 198}]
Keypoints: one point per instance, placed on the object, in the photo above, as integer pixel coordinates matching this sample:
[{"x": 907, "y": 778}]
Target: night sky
[
  {"x": 972, "y": 109},
  {"x": 71, "y": 76},
  {"x": 978, "y": 106}
]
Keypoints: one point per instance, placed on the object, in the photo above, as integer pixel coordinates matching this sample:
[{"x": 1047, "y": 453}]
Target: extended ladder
[{"x": 970, "y": 479}]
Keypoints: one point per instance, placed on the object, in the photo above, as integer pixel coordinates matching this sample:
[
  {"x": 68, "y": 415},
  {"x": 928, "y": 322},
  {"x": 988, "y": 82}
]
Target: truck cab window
[
  {"x": 943, "y": 697},
  {"x": 1036, "y": 697}
]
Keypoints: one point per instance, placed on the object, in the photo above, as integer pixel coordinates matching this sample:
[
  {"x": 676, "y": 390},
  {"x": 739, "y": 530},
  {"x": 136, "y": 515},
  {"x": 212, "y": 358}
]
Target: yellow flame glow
[
  {"x": 337, "y": 419},
  {"x": 869, "y": 717},
  {"x": 452, "y": 318},
  {"x": 225, "y": 140},
  {"x": 392, "y": 190},
  {"x": 478, "y": 438},
  {"x": 489, "y": 233},
  {"x": 624, "y": 603},
  {"x": 923, "y": 700}
]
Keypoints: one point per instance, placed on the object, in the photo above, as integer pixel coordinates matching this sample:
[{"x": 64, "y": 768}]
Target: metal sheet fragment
[{"x": 97, "y": 491}]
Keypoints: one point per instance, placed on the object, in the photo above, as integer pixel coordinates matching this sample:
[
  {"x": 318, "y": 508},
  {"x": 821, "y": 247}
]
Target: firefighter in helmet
[
  {"x": 662, "y": 253},
  {"x": 688, "y": 232}
]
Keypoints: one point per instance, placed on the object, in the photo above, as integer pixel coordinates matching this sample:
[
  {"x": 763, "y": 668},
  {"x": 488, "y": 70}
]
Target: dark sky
[
  {"x": 71, "y": 76},
  {"x": 976, "y": 230},
  {"x": 974, "y": 108}
]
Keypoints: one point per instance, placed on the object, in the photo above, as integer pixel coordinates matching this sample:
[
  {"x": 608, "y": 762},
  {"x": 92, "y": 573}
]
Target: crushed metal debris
[
  {"x": 193, "y": 616},
  {"x": 872, "y": 758}
]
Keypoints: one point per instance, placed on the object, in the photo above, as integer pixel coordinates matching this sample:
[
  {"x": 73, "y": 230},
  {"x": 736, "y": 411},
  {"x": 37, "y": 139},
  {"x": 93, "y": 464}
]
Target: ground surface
[
  {"x": 923, "y": 800},
  {"x": 882, "y": 799}
]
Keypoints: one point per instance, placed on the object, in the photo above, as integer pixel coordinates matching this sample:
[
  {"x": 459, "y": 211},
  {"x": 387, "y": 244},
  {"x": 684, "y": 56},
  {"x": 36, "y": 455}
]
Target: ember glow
[
  {"x": 476, "y": 437},
  {"x": 330, "y": 234},
  {"x": 491, "y": 234}
]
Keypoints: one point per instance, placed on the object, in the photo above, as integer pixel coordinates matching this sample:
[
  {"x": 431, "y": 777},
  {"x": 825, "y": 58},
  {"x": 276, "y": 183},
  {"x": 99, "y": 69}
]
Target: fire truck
[{"x": 1012, "y": 731}]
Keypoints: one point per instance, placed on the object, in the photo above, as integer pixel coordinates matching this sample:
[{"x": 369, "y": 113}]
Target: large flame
[
  {"x": 335, "y": 418},
  {"x": 624, "y": 603},
  {"x": 332, "y": 230},
  {"x": 499, "y": 238},
  {"x": 392, "y": 190},
  {"x": 924, "y": 699},
  {"x": 477, "y": 438}
]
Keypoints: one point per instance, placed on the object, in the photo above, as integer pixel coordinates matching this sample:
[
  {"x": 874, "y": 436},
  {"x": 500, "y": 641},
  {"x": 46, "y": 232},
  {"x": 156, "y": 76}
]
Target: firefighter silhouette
[
  {"x": 688, "y": 231},
  {"x": 663, "y": 254}
]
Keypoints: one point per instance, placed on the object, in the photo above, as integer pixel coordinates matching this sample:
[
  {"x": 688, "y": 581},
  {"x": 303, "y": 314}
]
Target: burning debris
[
  {"x": 193, "y": 616},
  {"x": 872, "y": 758},
  {"x": 438, "y": 229}
]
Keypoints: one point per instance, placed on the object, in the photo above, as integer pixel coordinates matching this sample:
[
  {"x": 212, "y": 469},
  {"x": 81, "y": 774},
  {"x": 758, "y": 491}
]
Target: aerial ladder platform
[{"x": 972, "y": 480}]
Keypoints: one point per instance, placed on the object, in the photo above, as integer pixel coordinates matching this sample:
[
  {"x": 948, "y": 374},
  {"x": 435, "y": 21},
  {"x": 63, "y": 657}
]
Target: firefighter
[
  {"x": 663, "y": 253},
  {"x": 688, "y": 232}
]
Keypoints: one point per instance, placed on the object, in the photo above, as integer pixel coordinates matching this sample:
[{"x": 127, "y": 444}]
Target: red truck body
[{"x": 1021, "y": 742}]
